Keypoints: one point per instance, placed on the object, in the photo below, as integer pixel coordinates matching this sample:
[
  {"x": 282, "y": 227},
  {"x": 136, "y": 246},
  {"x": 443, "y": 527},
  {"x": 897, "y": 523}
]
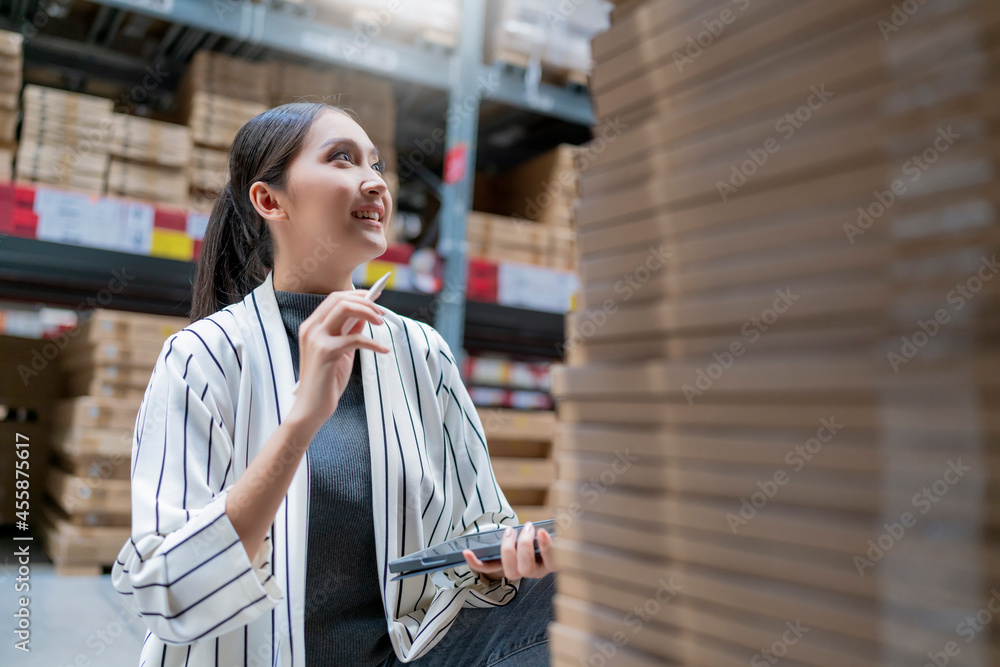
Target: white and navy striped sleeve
[
  {"x": 184, "y": 564},
  {"x": 483, "y": 505}
]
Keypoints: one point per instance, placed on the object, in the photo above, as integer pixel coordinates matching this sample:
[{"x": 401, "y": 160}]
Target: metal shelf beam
[
  {"x": 283, "y": 31},
  {"x": 354, "y": 49},
  {"x": 510, "y": 88},
  {"x": 288, "y": 33},
  {"x": 81, "y": 278}
]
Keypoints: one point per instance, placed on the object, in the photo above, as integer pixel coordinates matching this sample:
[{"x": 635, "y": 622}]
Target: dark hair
[{"x": 237, "y": 251}]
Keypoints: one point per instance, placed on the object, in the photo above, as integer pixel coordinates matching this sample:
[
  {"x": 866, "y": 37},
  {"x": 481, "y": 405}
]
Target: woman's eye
[
  {"x": 379, "y": 166},
  {"x": 336, "y": 154}
]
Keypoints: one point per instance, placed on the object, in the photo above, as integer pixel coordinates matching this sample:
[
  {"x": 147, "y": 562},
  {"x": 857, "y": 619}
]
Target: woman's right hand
[{"x": 326, "y": 358}]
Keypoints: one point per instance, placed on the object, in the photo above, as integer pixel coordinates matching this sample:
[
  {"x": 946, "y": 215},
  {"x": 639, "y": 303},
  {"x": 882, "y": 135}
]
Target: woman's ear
[{"x": 267, "y": 202}]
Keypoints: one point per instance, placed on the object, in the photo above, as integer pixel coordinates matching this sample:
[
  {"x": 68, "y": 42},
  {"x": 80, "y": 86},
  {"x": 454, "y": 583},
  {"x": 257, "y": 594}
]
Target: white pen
[{"x": 373, "y": 293}]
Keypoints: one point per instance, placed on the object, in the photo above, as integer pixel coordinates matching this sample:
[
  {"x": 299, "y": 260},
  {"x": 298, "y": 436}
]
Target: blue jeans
[{"x": 514, "y": 635}]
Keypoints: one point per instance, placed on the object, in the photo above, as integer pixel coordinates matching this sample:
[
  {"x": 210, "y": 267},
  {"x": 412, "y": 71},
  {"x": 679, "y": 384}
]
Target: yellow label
[
  {"x": 172, "y": 244},
  {"x": 375, "y": 269}
]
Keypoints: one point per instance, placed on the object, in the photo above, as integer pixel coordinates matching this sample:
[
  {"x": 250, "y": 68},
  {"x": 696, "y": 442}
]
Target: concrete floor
[{"x": 75, "y": 621}]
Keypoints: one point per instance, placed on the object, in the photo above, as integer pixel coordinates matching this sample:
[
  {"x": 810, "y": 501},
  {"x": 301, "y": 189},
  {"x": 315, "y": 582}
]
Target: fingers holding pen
[
  {"x": 349, "y": 310},
  {"x": 334, "y": 299}
]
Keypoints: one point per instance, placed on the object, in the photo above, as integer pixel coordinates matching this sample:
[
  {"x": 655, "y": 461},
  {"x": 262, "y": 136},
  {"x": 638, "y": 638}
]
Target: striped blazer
[{"x": 219, "y": 389}]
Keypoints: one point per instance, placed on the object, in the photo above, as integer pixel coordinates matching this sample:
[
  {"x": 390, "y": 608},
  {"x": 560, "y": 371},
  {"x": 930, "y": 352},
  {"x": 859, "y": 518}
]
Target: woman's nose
[{"x": 375, "y": 186}]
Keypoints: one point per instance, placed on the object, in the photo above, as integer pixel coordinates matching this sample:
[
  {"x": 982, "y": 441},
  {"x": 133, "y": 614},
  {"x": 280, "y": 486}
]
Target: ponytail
[
  {"x": 236, "y": 255},
  {"x": 238, "y": 251}
]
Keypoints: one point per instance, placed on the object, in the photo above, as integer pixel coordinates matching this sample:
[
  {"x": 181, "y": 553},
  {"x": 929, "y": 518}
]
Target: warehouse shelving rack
[
  {"x": 252, "y": 29},
  {"x": 75, "y": 277}
]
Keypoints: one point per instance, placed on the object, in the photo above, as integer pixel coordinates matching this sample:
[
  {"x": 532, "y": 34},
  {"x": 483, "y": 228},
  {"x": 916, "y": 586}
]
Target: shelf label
[
  {"x": 197, "y": 223},
  {"x": 534, "y": 287},
  {"x": 455, "y": 159},
  {"x": 94, "y": 221}
]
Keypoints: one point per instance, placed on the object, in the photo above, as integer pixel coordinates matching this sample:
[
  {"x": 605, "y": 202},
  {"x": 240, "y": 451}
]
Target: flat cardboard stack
[
  {"x": 555, "y": 34},
  {"x": 11, "y": 66},
  {"x": 106, "y": 367},
  {"x": 227, "y": 77},
  {"x": 520, "y": 443},
  {"x": 298, "y": 83},
  {"x": 214, "y": 119},
  {"x": 218, "y": 94},
  {"x": 150, "y": 159},
  {"x": 65, "y": 139},
  {"x": 209, "y": 173},
  {"x": 536, "y": 200},
  {"x": 543, "y": 189},
  {"x": 778, "y": 438},
  {"x": 431, "y": 22},
  {"x": 503, "y": 239}
]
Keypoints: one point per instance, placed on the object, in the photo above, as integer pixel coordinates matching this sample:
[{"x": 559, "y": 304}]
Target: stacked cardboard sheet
[
  {"x": 105, "y": 370},
  {"x": 779, "y": 440},
  {"x": 150, "y": 159},
  {"x": 65, "y": 139},
  {"x": 298, "y": 83},
  {"x": 11, "y": 66},
  {"x": 504, "y": 239},
  {"x": 552, "y": 34},
  {"x": 536, "y": 199},
  {"x": 430, "y": 22},
  {"x": 218, "y": 95},
  {"x": 209, "y": 169},
  {"x": 520, "y": 443},
  {"x": 543, "y": 189}
]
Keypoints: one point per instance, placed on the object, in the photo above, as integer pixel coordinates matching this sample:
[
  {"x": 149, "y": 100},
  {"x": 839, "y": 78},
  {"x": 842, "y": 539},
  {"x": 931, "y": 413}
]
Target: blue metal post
[{"x": 462, "y": 123}]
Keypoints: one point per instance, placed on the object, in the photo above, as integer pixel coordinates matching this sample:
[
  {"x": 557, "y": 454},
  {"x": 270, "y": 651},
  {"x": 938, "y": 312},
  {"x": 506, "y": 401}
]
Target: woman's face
[{"x": 335, "y": 206}]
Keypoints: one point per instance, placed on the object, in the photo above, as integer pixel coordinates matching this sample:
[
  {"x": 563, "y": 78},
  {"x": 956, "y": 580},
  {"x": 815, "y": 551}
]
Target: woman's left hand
[{"x": 518, "y": 559}]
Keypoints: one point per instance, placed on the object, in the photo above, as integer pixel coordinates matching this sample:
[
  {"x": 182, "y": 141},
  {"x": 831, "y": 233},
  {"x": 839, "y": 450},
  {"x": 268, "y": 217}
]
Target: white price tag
[
  {"x": 197, "y": 223},
  {"x": 94, "y": 221},
  {"x": 136, "y": 230},
  {"x": 534, "y": 287}
]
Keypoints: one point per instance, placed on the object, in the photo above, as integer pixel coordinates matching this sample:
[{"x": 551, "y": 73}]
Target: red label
[
  {"x": 169, "y": 218},
  {"x": 454, "y": 163}
]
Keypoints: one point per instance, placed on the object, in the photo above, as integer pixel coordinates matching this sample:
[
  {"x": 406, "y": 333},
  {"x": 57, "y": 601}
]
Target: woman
[{"x": 264, "y": 514}]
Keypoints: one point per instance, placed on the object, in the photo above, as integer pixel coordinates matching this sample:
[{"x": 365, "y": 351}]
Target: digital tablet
[{"x": 486, "y": 546}]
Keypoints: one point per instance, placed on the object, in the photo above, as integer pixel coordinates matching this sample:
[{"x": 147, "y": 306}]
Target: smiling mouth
[{"x": 367, "y": 215}]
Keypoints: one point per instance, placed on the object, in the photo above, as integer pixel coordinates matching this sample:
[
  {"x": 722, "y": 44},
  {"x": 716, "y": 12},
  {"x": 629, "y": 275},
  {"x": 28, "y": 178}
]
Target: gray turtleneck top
[{"x": 345, "y": 620}]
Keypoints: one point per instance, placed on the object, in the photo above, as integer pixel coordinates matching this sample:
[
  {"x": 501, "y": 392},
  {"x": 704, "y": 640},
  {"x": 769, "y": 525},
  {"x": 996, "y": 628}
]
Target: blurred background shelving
[{"x": 479, "y": 109}]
